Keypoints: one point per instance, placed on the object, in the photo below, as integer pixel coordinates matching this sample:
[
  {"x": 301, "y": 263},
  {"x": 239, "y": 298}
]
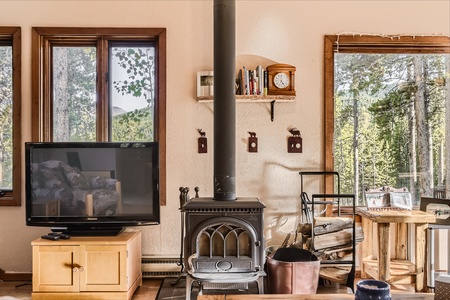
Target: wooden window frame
[
  {"x": 365, "y": 44},
  {"x": 42, "y": 37},
  {"x": 14, "y": 197}
]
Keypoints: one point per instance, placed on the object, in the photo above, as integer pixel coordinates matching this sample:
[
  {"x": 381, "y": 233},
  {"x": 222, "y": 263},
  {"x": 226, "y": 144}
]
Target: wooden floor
[
  {"x": 22, "y": 290},
  {"x": 149, "y": 289}
]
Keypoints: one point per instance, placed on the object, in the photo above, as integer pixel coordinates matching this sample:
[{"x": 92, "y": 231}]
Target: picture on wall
[{"x": 205, "y": 83}]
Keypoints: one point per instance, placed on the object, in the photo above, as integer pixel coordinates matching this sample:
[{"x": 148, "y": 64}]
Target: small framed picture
[
  {"x": 401, "y": 200},
  {"x": 375, "y": 199},
  {"x": 205, "y": 83}
]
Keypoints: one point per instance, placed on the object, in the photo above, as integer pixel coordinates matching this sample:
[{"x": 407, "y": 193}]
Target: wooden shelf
[
  {"x": 401, "y": 271},
  {"x": 253, "y": 98}
]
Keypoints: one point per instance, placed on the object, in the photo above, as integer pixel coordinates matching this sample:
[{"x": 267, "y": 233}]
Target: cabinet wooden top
[
  {"x": 121, "y": 238},
  {"x": 396, "y": 216}
]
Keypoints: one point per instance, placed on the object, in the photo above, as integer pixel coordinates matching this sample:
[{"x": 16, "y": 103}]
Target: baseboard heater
[{"x": 160, "y": 266}]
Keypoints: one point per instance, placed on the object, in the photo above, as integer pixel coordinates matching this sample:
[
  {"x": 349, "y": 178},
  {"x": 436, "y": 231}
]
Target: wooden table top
[
  {"x": 395, "y": 296},
  {"x": 384, "y": 215}
]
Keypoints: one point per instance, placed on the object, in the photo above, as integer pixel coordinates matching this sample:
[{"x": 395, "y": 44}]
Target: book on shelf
[{"x": 251, "y": 82}]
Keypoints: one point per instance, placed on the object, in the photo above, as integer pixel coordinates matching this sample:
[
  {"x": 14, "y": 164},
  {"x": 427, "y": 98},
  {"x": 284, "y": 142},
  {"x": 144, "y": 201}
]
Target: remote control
[
  {"x": 50, "y": 237},
  {"x": 60, "y": 235},
  {"x": 64, "y": 236}
]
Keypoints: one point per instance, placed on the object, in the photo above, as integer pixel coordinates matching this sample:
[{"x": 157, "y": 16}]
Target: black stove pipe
[{"x": 224, "y": 100}]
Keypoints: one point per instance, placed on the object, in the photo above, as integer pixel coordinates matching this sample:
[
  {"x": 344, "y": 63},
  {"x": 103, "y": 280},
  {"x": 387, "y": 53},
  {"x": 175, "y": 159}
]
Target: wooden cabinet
[{"x": 87, "y": 267}]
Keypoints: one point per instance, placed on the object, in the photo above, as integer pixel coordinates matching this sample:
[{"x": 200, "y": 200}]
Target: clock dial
[{"x": 281, "y": 80}]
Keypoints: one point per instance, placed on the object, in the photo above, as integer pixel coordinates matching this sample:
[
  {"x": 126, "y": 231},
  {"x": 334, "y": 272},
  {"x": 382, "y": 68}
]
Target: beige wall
[{"x": 267, "y": 31}]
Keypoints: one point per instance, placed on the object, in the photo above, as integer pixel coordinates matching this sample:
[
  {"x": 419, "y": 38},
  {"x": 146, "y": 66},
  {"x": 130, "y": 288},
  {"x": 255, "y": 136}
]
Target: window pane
[
  {"x": 132, "y": 94},
  {"x": 390, "y": 116},
  {"x": 6, "y": 115},
  {"x": 74, "y": 94}
]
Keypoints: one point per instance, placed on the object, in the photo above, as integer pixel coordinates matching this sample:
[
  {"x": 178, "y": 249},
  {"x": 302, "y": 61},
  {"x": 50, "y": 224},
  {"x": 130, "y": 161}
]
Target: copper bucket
[{"x": 293, "y": 271}]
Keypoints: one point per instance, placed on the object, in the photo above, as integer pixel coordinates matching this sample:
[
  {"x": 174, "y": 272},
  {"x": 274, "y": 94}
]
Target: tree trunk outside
[
  {"x": 441, "y": 170},
  {"x": 355, "y": 139},
  {"x": 60, "y": 98},
  {"x": 447, "y": 129},
  {"x": 412, "y": 151},
  {"x": 424, "y": 140},
  {"x": 412, "y": 145},
  {"x": 1, "y": 159}
]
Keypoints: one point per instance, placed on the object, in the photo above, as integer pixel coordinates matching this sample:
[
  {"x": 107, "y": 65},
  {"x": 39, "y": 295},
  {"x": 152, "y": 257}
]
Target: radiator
[{"x": 160, "y": 266}]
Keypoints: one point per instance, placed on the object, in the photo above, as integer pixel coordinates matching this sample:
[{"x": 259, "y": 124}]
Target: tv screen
[{"x": 94, "y": 188}]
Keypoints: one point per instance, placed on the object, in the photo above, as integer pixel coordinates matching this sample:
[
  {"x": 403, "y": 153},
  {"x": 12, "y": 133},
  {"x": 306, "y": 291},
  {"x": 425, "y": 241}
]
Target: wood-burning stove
[{"x": 224, "y": 243}]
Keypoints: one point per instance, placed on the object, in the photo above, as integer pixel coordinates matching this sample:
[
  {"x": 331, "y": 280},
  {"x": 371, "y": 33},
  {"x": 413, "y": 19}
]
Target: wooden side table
[{"x": 382, "y": 268}]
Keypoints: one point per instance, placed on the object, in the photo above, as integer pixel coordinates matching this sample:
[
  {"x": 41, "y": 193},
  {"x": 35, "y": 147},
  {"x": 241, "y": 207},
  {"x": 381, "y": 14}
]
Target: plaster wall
[{"x": 267, "y": 31}]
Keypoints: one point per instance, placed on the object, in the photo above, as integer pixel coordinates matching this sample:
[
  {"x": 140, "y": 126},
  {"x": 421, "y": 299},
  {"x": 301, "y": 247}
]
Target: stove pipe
[{"x": 224, "y": 100}]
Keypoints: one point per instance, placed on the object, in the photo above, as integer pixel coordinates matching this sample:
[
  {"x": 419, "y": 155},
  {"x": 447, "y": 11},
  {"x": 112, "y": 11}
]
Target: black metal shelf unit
[{"x": 335, "y": 199}]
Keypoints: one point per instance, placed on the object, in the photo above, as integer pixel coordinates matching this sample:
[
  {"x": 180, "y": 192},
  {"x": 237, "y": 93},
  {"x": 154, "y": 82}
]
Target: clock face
[{"x": 281, "y": 80}]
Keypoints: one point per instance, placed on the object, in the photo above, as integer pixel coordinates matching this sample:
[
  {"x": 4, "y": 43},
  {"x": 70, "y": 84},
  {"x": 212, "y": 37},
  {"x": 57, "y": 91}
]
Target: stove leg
[
  {"x": 189, "y": 282},
  {"x": 200, "y": 288},
  {"x": 260, "y": 283}
]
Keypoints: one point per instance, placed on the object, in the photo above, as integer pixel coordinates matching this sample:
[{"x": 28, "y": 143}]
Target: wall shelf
[{"x": 254, "y": 99}]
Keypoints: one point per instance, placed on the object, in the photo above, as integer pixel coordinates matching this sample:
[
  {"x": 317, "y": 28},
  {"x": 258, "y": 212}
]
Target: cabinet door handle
[{"x": 77, "y": 267}]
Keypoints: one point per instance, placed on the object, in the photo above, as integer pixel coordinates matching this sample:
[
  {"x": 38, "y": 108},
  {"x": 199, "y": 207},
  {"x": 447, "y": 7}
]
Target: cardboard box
[{"x": 442, "y": 287}]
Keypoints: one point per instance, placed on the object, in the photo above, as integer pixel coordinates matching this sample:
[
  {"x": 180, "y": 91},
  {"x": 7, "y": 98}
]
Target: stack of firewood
[
  {"x": 332, "y": 240},
  {"x": 333, "y": 237}
]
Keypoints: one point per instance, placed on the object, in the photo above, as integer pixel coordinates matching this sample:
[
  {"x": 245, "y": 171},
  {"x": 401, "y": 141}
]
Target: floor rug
[{"x": 172, "y": 289}]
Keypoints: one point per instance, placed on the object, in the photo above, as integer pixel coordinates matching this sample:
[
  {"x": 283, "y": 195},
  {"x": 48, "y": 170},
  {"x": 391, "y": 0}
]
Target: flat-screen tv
[{"x": 93, "y": 188}]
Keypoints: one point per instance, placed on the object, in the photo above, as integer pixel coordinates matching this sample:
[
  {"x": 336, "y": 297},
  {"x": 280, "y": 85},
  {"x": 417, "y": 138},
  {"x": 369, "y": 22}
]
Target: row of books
[{"x": 251, "y": 82}]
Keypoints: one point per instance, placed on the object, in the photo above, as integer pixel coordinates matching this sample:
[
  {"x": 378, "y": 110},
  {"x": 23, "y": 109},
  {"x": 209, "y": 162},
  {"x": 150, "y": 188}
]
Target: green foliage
[
  {"x": 80, "y": 71},
  {"x": 82, "y": 91},
  {"x": 127, "y": 127},
  {"x": 138, "y": 62},
  {"x": 376, "y": 91},
  {"x": 6, "y": 114}
]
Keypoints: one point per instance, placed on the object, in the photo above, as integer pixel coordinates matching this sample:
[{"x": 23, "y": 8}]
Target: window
[
  {"x": 10, "y": 115},
  {"x": 386, "y": 108},
  {"x": 100, "y": 84}
]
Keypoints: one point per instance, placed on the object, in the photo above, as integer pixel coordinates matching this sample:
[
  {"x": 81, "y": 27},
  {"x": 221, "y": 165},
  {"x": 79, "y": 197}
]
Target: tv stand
[
  {"x": 90, "y": 267},
  {"x": 91, "y": 231}
]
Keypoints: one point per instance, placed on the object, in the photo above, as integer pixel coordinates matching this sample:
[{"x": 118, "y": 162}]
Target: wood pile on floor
[{"x": 330, "y": 240}]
